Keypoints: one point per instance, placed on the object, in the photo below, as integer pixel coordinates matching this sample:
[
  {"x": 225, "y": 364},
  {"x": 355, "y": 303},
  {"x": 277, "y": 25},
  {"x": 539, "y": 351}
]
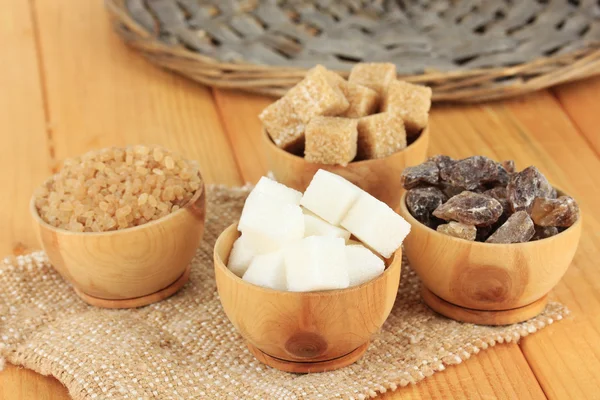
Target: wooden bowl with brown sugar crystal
[
  {"x": 487, "y": 283},
  {"x": 305, "y": 332},
  {"x": 128, "y": 267},
  {"x": 380, "y": 177}
]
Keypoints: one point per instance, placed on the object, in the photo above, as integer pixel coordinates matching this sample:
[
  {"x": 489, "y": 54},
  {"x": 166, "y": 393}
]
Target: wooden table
[{"x": 69, "y": 85}]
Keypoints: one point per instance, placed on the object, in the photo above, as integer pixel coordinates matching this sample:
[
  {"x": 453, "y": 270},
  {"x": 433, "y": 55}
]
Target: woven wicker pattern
[
  {"x": 467, "y": 50},
  {"x": 186, "y": 348}
]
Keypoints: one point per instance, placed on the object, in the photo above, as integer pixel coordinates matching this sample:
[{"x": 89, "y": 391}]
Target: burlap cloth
[{"x": 185, "y": 347}]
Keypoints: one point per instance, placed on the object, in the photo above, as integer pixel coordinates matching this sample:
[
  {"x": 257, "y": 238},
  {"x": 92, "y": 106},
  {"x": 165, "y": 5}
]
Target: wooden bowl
[
  {"x": 380, "y": 177},
  {"x": 129, "y": 267},
  {"x": 487, "y": 283},
  {"x": 308, "y": 331}
]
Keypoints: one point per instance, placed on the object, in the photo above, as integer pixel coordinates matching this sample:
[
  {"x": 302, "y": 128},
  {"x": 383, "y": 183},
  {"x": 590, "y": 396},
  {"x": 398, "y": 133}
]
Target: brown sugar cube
[
  {"x": 411, "y": 101},
  {"x": 380, "y": 135},
  {"x": 362, "y": 100},
  {"x": 316, "y": 95},
  {"x": 376, "y": 76},
  {"x": 330, "y": 140},
  {"x": 283, "y": 124}
]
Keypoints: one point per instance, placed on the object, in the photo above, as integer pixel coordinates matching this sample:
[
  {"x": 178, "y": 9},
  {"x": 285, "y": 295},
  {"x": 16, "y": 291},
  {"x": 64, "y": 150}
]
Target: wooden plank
[
  {"x": 24, "y": 156},
  {"x": 239, "y": 113},
  {"x": 566, "y": 357},
  {"x": 580, "y": 101},
  {"x": 450, "y": 136},
  {"x": 464, "y": 381},
  {"x": 24, "y": 384},
  {"x": 24, "y": 163},
  {"x": 100, "y": 93}
]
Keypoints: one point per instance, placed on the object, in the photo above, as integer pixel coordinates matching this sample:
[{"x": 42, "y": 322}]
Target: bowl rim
[
  {"x": 422, "y": 137},
  {"x": 396, "y": 259},
  {"x": 36, "y": 216},
  {"x": 413, "y": 221}
]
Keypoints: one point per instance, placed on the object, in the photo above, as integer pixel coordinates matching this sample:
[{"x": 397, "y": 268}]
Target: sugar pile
[
  {"x": 301, "y": 243},
  {"x": 117, "y": 188}
]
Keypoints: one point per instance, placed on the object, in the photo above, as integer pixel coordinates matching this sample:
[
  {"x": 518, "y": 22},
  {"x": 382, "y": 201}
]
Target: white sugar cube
[
  {"x": 269, "y": 224},
  {"x": 330, "y": 196},
  {"x": 315, "y": 226},
  {"x": 267, "y": 270},
  {"x": 376, "y": 224},
  {"x": 241, "y": 256},
  {"x": 278, "y": 191},
  {"x": 363, "y": 265},
  {"x": 316, "y": 263}
]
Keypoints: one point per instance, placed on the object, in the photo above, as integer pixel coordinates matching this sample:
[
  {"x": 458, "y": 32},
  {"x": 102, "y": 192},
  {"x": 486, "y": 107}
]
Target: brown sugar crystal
[
  {"x": 470, "y": 208},
  {"x": 543, "y": 232},
  {"x": 376, "y": 76},
  {"x": 283, "y": 124},
  {"x": 472, "y": 172},
  {"x": 561, "y": 212},
  {"x": 411, "y": 101},
  {"x": 456, "y": 229},
  {"x": 425, "y": 173},
  {"x": 331, "y": 140},
  {"x": 380, "y": 135},
  {"x": 421, "y": 202},
  {"x": 525, "y": 186},
  {"x": 317, "y": 95},
  {"x": 117, "y": 188},
  {"x": 442, "y": 161},
  {"x": 518, "y": 228}
]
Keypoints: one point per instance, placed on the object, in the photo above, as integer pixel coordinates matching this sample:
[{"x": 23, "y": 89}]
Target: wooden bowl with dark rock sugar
[{"x": 488, "y": 247}]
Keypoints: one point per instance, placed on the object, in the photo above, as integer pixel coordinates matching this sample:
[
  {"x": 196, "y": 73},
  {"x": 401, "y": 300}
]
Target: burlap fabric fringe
[{"x": 185, "y": 347}]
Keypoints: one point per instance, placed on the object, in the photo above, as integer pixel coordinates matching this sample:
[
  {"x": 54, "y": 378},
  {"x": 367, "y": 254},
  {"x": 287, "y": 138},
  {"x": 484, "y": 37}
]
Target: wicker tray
[{"x": 470, "y": 50}]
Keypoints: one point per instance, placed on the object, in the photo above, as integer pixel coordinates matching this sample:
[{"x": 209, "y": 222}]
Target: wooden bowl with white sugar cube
[
  {"x": 307, "y": 279},
  {"x": 367, "y": 129}
]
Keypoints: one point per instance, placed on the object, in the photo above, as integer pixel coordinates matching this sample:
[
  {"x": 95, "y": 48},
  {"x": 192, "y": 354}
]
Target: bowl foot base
[
  {"x": 302, "y": 367},
  {"x": 137, "y": 301},
  {"x": 483, "y": 317}
]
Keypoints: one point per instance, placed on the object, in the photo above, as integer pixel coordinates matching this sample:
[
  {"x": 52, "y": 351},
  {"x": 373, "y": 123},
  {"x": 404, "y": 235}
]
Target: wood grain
[
  {"x": 580, "y": 101},
  {"x": 239, "y": 113},
  {"x": 24, "y": 163},
  {"x": 498, "y": 373},
  {"x": 445, "y": 138},
  {"x": 24, "y": 157},
  {"x": 102, "y": 94},
  {"x": 17, "y": 383}
]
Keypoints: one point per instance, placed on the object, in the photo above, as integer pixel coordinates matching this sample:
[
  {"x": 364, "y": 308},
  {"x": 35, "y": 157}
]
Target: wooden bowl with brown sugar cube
[
  {"x": 122, "y": 224},
  {"x": 367, "y": 129},
  {"x": 506, "y": 278}
]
